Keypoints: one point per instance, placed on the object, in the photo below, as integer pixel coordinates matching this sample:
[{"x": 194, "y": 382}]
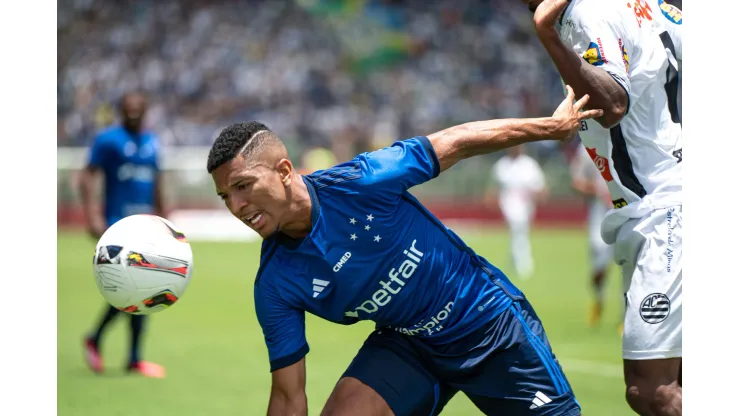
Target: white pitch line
[{"x": 595, "y": 368}]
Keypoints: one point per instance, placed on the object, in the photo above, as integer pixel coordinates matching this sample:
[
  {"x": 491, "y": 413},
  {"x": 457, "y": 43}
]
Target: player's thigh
[
  {"x": 649, "y": 251},
  {"x": 652, "y": 373},
  {"x": 387, "y": 377},
  {"x": 525, "y": 377},
  {"x": 351, "y": 396}
]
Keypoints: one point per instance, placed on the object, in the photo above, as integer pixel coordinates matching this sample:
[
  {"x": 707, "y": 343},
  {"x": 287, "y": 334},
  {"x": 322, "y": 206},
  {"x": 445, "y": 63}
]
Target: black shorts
[{"x": 509, "y": 370}]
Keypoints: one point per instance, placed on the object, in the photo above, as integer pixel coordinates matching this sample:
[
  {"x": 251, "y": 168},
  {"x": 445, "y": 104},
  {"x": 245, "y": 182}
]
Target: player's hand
[
  {"x": 548, "y": 12},
  {"x": 569, "y": 115}
]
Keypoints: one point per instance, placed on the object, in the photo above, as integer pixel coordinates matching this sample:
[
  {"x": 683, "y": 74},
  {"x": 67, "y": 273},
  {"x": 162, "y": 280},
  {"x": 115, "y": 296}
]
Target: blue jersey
[
  {"x": 375, "y": 253},
  {"x": 129, "y": 163}
]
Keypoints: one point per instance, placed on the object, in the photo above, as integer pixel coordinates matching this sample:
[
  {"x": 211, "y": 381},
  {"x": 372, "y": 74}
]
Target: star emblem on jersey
[{"x": 367, "y": 227}]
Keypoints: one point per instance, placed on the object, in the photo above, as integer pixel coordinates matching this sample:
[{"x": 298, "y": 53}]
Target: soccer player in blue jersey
[
  {"x": 351, "y": 243},
  {"x": 126, "y": 157}
]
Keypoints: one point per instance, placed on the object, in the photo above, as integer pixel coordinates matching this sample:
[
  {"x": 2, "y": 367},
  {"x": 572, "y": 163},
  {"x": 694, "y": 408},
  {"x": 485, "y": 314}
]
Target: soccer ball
[{"x": 142, "y": 264}]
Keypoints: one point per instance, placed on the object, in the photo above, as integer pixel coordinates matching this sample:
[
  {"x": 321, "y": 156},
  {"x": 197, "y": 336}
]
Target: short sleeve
[
  {"x": 100, "y": 152},
  {"x": 401, "y": 166},
  {"x": 283, "y": 327},
  {"x": 599, "y": 37}
]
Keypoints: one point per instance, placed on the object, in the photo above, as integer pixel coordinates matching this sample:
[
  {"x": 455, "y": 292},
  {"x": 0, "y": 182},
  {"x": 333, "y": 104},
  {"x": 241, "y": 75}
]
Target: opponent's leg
[
  {"x": 653, "y": 387},
  {"x": 387, "y": 378},
  {"x": 92, "y": 342},
  {"x": 650, "y": 252}
]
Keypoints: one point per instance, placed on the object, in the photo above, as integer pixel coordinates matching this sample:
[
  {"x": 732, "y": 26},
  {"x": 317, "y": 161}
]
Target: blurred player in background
[
  {"x": 586, "y": 180},
  {"x": 522, "y": 186},
  {"x": 126, "y": 156},
  {"x": 351, "y": 243},
  {"x": 626, "y": 55}
]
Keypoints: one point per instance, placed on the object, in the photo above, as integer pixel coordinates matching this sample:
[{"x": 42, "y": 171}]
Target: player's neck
[{"x": 299, "y": 225}]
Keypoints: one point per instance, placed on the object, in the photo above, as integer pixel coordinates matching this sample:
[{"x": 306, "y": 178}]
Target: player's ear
[{"x": 285, "y": 170}]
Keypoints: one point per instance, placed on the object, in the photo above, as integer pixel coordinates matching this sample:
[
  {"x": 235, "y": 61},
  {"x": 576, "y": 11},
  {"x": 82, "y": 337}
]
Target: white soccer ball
[{"x": 142, "y": 264}]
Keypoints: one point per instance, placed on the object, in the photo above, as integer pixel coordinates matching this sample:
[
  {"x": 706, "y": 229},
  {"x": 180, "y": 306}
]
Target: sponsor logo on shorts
[
  {"x": 619, "y": 203},
  {"x": 431, "y": 325},
  {"x": 540, "y": 399},
  {"x": 655, "y": 308}
]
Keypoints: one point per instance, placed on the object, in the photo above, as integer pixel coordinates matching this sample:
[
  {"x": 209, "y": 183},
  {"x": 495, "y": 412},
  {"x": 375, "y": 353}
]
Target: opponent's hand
[
  {"x": 569, "y": 115},
  {"x": 548, "y": 12}
]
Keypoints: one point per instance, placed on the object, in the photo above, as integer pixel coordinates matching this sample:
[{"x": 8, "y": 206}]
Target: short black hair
[{"x": 235, "y": 139}]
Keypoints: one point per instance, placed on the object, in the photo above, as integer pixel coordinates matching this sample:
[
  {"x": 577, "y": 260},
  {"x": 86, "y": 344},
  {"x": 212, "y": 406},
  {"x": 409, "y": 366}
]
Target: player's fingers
[
  {"x": 570, "y": 95},
  {"x": 582, "y": 102},
  {"x": 591, "y": 114}
]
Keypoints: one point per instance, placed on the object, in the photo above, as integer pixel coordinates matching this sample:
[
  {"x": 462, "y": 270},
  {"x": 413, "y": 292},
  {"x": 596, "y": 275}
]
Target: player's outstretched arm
[
  {"x": 605, "y": 92},
  {"x": 480, "y": 137},
  {"x": 288, "y": 393}
]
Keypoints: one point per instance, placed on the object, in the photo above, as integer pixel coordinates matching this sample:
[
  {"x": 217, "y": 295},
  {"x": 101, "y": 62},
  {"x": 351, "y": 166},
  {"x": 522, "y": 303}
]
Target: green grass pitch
[{"x": 212, "y": 346}]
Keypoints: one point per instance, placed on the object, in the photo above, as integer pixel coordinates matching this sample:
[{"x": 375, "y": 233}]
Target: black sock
[
  {"x": 107, "y": 318},
  {"x": 137, "y": 327}
]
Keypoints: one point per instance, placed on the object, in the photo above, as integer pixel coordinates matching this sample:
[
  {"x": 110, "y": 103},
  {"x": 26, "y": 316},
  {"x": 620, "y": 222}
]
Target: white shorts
[{"x": 649, "y": 251}]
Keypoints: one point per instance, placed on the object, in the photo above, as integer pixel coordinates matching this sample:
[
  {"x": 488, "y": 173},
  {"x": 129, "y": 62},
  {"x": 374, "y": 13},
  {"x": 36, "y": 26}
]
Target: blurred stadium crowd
[{"x": 346, "y": 75}]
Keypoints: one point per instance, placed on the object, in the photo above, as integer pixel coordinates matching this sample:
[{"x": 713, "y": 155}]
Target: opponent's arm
[
  {"x": 480, "y": 137},
  {"x": 288, "y": 392},
  {"x": 605, "y": 92}
]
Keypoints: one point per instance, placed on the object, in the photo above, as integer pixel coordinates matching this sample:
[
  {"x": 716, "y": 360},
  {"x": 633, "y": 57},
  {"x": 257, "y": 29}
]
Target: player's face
[
  {"x": 255, "y": 192},
  {"x": 132, "y": 110}
]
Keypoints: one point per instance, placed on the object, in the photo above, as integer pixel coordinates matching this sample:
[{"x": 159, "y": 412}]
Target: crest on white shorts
[{"x": 655, "y": 308}]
